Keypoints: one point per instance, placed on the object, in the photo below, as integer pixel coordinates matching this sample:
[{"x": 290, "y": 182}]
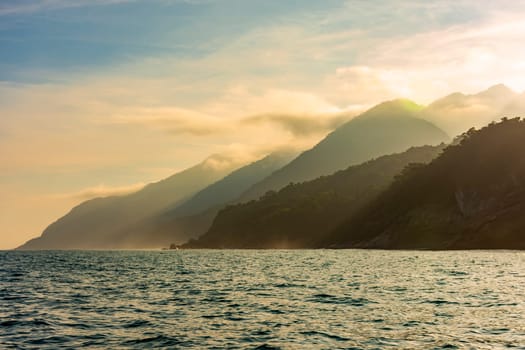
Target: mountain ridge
[
  {"x": 458, "y": 112},
  {"x": 298, "y": 215},
  {"x": 193, "y": 217},
  {"x": 392, "y": 126},
  {"x": 90, "y": 224},
  {"x": 471, "y": 197}
]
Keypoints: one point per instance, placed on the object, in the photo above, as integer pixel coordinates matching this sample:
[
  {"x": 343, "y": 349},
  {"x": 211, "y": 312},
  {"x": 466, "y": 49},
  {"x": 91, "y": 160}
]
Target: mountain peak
[
  {"x": 498, "y": 90},
  {"x": 451, "y": 99},
  {"x": 393, "y": 108}
]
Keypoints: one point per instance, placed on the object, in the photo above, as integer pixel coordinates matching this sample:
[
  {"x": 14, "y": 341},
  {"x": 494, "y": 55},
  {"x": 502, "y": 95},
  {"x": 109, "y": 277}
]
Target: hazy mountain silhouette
[
  {"x": 457, "y": 112},
  {"x": 299, "y": 215},
  {"x": 194, "y": 216},
  {"x": 233, "y": 185},
  {"x": 515, "y": 107},
  {"x": 472, "y": 196},
  {"x": 389, "y": 127},
  {"x": 185, "y": 204},
  {"x": 98, "y": 223}
]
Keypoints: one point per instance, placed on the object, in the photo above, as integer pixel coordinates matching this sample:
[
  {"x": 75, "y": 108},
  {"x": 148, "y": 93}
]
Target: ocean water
[{"x": 325, "y": 299}]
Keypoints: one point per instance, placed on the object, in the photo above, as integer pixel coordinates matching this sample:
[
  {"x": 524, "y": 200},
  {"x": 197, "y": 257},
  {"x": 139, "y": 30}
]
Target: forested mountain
[
  {"x": 299, "y": 215},
  {"x": 341, "y": 206},
  {"x": 472, "y": 196},
  {"x": 387, "y": 128}
]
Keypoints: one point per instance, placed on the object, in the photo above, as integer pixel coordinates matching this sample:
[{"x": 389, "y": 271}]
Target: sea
[{"x": 262, "y": 299}]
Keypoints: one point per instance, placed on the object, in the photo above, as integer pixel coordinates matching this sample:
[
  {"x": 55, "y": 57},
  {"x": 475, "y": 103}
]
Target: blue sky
[
  {"x": 76, "y": 36},
  {"x": 101, "y": 96},
  {"x": 73, "y": 35}
]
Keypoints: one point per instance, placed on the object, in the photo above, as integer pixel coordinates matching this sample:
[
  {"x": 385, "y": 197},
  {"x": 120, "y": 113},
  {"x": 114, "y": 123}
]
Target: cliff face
[
  {"x": 299, "y": 215},
  {"x": 493, "y": 220},
  {"x": 472, "y": 196}
]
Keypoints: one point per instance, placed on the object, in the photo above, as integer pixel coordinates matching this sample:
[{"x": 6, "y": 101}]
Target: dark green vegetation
[
  {"x": 472, "y": 196},
  {"x": 299, "y": 215},
  {"x": 387, "y": 128}
]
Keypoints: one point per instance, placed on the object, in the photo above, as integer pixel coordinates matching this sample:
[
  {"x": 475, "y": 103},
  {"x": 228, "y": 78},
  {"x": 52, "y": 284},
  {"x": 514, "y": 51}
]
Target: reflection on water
[{"x": 262, "y": 299}]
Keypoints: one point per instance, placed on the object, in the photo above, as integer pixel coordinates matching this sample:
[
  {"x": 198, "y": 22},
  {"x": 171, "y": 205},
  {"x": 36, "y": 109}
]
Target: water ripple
[{"x": 253, "y": 299}]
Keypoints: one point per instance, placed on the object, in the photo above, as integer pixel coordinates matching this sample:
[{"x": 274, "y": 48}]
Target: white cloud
[
  {"x": 98, "y": 191},
  {"x": 429, "y": 65}
]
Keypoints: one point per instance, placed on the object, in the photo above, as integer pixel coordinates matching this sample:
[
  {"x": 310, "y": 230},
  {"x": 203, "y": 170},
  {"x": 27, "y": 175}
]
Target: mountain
[
  {"x": 299, "y": 215},
  {"x": 99, "y": 223},
  {"x": 233, "y": 185},
  {"x": 457, "y": 112},
  {"x": 471, "y": 197},
  {"x": 387, "y": 128},
  {"x": 515, "y": 107},
  {"x": 194, "y": 216}
]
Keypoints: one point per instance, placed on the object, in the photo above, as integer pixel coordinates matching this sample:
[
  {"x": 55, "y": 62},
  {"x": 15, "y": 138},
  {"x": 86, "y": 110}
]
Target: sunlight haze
[{"x": 102, "y": 97}]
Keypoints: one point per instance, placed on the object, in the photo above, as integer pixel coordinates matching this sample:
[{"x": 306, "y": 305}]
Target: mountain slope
[
  {"x": 233, "y": 185},
  {"x": 472, "y": 196},
  {"x": 193, "y": 217},
  {"x": 457, "y": 112},
  {"x": 300, "y": 214},
  {"x": 387, "y": 128},
  {"x": 515, "y": 107},
  {"x": 98, "y": 223}
]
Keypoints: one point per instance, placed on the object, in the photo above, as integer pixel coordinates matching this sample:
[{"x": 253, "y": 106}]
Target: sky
[{"x": 99, "y": 97}]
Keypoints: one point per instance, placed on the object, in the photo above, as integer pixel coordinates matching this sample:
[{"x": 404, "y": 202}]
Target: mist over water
[{"x": 262, "y": 299}]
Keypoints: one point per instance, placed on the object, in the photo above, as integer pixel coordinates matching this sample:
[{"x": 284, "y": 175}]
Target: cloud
[
  {"x": 98, "y": 191},
  {"x": 431, "y": 64},
  {"x": 231, "y": 159},
  {"x": 173, "y": 120},
  {"x": 300, "y": 125},
  {"x": 179, "y": 121},
  {"x": 241, "y": 101}
]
